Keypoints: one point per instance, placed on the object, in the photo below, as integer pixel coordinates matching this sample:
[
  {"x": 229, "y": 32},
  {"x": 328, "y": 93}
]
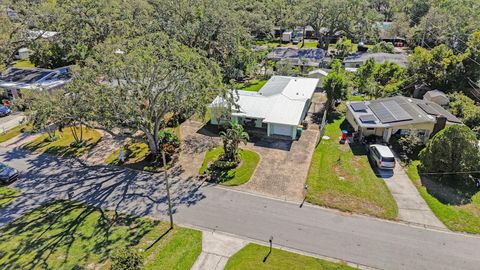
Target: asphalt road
[{"x": 358, "y": 239}]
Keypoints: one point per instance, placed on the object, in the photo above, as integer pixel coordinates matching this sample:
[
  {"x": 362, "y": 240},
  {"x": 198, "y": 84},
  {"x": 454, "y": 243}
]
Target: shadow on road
[{"x": 47, "y": 178}]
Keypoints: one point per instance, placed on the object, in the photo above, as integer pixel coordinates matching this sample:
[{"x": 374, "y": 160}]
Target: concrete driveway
[
  {"x": 283, "y": 167},
  {"x": 11, "y": 121},
  {"x": 411, "y": 206}
]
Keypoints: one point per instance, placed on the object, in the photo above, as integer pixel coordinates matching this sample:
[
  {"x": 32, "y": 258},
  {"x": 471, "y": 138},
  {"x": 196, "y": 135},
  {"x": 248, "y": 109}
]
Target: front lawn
[
  {"x": 23, "y": 64},
  {"x": 253, "y": 85},
  {"x": 464, "y": 218},
  {"x": 237, "y": 176},
  {"x": 341, "y": 177},
  {"x": 13, "y": 132},
  {"x": 8, "y": 195},
  {"x": 70, "y": 235},
  {"x": 252, "y": 257},
  {"x": 62, "y": 146},
  {"x": 134, "y": 152}
]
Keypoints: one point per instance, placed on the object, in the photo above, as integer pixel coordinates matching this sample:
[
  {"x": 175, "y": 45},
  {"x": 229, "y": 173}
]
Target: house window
[
  {"x": 370, "y": 128},
  {"x": 422, "y": 133},
  {"x": 404, "y": 131}
]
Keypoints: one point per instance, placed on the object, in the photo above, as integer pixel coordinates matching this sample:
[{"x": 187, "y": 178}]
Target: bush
[
  {"x": 224, "y": 164},
  {"x": 126, "y": 259}
]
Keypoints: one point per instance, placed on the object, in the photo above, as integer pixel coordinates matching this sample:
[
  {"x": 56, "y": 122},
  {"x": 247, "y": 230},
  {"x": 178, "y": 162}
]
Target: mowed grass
[
  {"x": 464, "y": 218},
  {"x": 251, "y": 257},
  {"x": 62, "y": 146},
  {"x": 8, "y": 195},
  {"x": 253, "y": 85},
  {"x": 341, "y": 177},
  {"x": 13, "y": 132},
  {"x": 134, "y": 151},
  {"x": 70, "y": 235},
  {"x": 236, "y": 176},
  {"x": 24, "y": 64}
]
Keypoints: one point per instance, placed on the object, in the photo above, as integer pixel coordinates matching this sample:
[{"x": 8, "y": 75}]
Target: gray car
[{"x": 7, "y": 174}]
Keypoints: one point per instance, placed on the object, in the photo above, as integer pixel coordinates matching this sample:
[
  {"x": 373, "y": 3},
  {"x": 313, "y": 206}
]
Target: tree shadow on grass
[
  {"x": 47, "y": 178},
  {"x": 61, "y": 150},
  {"x": 46, "y": 236}
]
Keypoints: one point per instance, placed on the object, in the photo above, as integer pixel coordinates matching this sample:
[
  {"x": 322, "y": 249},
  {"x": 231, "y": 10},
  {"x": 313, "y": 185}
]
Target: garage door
[{"x": 282, "y": 130}]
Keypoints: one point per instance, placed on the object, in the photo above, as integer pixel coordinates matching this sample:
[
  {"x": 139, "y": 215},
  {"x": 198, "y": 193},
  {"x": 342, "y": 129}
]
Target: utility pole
[{"x": 168, "y": 189}]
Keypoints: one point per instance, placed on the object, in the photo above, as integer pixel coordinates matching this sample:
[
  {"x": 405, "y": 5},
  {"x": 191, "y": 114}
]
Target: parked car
[
  {"x": 382, "y": 156},
  {"x": 7, "y": 174},
  {"x": 4, "y": 110}
]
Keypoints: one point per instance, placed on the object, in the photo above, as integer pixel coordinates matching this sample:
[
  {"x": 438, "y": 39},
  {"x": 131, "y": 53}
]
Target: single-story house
[
  {"x": 388, "y": 34},
  {"x": 278, "y": 108},
  {"x": 298, "y": 57},
  {"x": 15, "y": 79},
  {"x": 398, "y": 115},
  {"x": 359, "y": 59},
  {"x": 319, "y": 74},
  {"x": 438, "y": 97}
]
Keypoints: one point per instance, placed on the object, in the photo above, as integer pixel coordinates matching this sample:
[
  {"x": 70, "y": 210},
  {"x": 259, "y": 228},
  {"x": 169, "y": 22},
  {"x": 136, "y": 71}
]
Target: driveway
[
  {"x": 11, "y": 121},
  {"x": 358, "y": 239},
  {"x": 411, "y": 206},
  {"x": 283, "y": 167}
]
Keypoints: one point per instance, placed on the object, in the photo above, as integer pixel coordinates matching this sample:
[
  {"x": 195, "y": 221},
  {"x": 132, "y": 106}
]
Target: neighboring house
[
  {"x": 15, "y": 79},
  {"x": 318, "y": 74},
  {"x": 398, "y": 115},
  {"x": 359, "y": 59},
  {"x": 298, "y": 57},
  {"x": 387, "y": 34},
  {"x": 277, "y": 109},
  {"x": 438, "y": 97}
]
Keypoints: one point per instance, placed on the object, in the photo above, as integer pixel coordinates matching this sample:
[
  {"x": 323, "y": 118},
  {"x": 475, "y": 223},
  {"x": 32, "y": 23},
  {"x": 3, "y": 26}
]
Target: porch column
[{"x": 268, "y": 129}]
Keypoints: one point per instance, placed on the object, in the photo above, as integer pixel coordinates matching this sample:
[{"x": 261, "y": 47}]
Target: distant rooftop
[
  {"x": 381, "y": 58},
  {"x": 304, "y": 56}
]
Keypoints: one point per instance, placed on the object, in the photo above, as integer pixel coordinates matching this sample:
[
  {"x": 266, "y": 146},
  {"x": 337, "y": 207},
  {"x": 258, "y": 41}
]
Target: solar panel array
[
  {"x": 428, "y": 109},
  {"x": 368, "y": 118},
  {"x": 358, "y": 106},
  {"x": 389, "y": 111}
]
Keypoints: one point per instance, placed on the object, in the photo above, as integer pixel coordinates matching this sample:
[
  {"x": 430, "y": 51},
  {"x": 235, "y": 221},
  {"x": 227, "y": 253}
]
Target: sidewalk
[
  {"x": 216, "y": 250},
  {"x": 411, "y": 206}
]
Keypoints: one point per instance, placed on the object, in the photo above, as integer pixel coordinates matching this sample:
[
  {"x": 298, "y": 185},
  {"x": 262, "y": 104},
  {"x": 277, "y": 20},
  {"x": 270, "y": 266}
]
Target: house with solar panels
[
  {"x": 398, "y": 115},
  {"x": 276, "y": 110}
]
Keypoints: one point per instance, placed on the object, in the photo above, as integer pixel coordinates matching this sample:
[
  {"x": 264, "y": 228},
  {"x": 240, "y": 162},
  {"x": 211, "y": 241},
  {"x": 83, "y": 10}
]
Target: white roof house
[{"x": 279, "y": 106}]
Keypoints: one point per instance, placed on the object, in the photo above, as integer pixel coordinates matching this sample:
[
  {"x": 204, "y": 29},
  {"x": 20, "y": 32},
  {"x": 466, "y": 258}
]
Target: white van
[{"x": 382, "y": 156}]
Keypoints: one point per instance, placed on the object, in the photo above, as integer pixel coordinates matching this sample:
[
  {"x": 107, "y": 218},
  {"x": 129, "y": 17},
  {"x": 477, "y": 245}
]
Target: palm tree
[{"x": 232, "y": 137}]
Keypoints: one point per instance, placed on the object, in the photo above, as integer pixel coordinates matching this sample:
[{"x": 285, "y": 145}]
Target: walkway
[
  {"x": 411, "y": 206},
  {"x": 217, "y": 248}
]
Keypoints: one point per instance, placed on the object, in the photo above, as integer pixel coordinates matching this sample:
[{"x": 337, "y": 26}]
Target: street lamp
[{"x": 168, "y": 189}]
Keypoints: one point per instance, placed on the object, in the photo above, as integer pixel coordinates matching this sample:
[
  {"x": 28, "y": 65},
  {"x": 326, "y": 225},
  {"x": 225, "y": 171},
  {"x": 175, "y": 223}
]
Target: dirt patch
[
  {"x": 351, "y": 204},
  {"x": 342, "y": 174}
]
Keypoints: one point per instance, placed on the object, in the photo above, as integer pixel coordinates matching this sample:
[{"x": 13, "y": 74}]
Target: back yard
[
  {"x": 456, "y": 213},
  {"x": 70, "y": 235},
  {"x": 341, "y": 177}
]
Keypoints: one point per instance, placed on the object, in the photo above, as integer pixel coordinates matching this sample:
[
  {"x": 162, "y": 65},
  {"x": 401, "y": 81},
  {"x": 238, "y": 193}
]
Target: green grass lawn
[
  {"x": 308, "y": 44},
  {"x": 137, "y": 151},
  {"x": 62, "y": 146},
  {"x": 252, "y": 255},
  {"x": 13, "y": 132},
  {"x": 24, "y": 64},
  {"x": 464, "y": 218},
  {"x": 8, "y": 195},
  {"x": 341, "y": 177},
  {"x": 253, "y": 85},
  {"x": 70, "y": 235},
  {"x": 236, "y": 176}
]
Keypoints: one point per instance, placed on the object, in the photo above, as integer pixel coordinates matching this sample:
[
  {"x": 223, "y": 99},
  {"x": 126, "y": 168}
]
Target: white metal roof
[{"x": 281, "y": 100}]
